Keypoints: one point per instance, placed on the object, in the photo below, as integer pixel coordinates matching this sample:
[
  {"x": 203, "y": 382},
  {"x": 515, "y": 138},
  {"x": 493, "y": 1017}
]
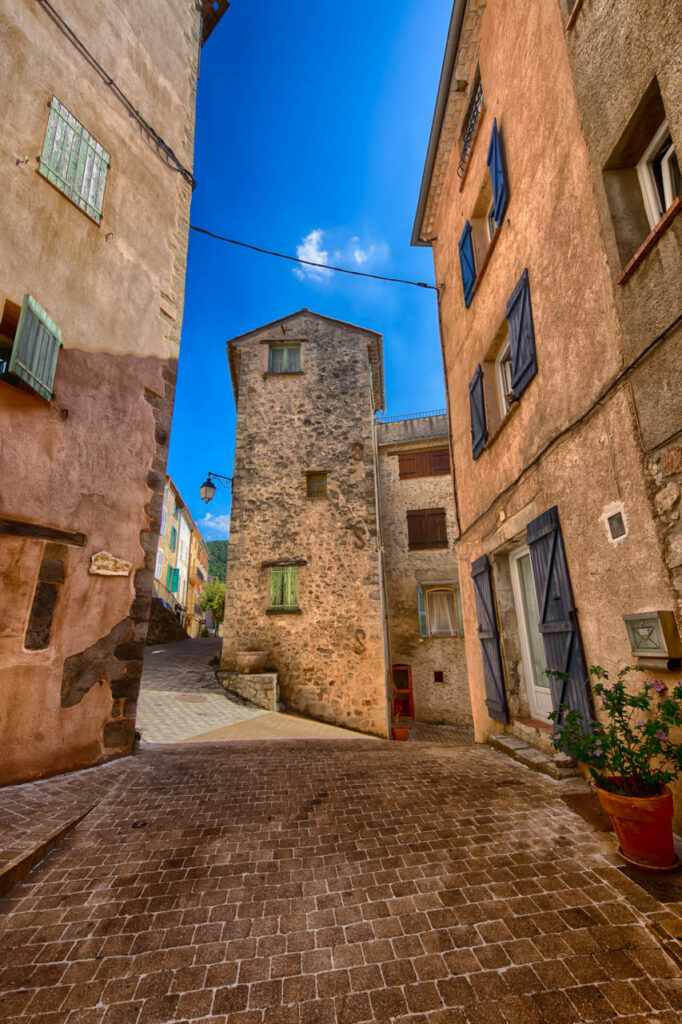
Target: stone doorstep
[
  {"x": 557, "y": 768},
  {"x": 12, "y": 871}
]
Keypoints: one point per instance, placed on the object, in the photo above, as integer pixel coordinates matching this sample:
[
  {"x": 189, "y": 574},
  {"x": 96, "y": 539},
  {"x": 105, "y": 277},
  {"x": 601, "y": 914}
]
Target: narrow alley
[{"x": 312, "y": 881}]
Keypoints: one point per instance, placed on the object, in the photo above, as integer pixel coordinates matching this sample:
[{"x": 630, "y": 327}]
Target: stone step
[
  {"x": 556, "y": 766},
  {"x": 12, "y": 871}
]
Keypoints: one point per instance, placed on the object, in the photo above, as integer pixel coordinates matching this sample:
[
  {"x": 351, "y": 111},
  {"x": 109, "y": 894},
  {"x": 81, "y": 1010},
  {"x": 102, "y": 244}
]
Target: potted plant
[
  {"x": 631, "y": 758},
  {"x": 399, "y": 731}
]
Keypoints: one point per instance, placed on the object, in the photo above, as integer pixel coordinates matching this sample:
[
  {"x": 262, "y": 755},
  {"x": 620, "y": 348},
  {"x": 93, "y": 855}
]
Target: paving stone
[{"x": 296, "y": 883}]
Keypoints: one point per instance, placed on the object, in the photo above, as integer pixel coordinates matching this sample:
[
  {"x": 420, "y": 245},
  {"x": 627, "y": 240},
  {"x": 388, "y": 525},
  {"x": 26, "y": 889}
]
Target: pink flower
[
  {"x": 602, "y": 698},
  {"x": 640, "y": 725},
  {"x": 662, "y": 736},
  {"x": 658, "y": 685}
]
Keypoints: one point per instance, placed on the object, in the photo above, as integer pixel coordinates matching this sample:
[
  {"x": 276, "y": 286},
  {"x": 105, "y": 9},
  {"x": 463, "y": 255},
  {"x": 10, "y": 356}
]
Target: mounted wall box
[{"x": 654, "y": 639}]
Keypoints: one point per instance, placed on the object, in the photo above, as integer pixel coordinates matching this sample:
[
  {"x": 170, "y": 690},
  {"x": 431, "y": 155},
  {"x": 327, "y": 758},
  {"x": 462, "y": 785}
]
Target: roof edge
[
  {"x": 447, "y": 70},
  {"x": 299, "y": 312}
]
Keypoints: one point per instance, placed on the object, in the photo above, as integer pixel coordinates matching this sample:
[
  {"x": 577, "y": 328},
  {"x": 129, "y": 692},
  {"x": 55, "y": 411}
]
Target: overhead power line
[
  {"x": 310, "y": 263},
  {"x": 162, "y": 146}
]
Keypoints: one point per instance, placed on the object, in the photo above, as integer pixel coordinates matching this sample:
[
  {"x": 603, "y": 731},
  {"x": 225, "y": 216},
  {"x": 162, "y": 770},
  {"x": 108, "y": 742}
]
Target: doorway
[
  {"x": 532, "y": 647},
  {"x": 403, "y": 706}
]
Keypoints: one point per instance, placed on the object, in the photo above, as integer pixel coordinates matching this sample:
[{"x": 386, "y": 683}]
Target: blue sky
[{"x": 312, "y": 124}]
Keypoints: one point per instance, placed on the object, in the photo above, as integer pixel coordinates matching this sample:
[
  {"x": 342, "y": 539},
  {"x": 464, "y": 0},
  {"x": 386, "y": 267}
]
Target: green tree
[
  {"x": 213, "y": 600},
  {"x": 217, "y": 558}
]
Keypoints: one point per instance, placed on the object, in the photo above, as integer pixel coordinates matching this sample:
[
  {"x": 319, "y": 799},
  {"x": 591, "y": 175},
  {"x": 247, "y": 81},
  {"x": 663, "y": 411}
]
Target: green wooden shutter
[
  {"x": 35, "y": 350},
  {"x": 423, "y": 618},
  {"x": 276, "y": 587},
  {"x": 173, "y": 538},
  {"x": 291, "y": 586},
  {"x": 169, "y": 577},
  {"x": 74, "y": 161},
  {"x": 175, "y": 582}
]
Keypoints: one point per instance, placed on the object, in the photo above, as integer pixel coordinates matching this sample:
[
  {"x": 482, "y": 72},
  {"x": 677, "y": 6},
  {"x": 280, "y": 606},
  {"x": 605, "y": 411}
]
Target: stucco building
[
  {"x": 550, "y": 199},
  {"x": 96, "y": 184},
  {"x": 181, "y": 568},
  {"x": 323, "y": 497}
]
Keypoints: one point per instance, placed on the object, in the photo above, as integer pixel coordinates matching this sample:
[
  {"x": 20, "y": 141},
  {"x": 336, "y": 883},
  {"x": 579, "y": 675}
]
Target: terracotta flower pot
[
  {"x": 399, "y": 732},
  {"x": 250, "y": 663},
  {"x": 644, "y": 828}
]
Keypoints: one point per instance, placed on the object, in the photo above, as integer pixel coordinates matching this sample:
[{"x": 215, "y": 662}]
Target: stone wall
[
  {"x": 261, "y": 690},
  {"x": 329, "y": 653},
  {"x": 447, "y": 701}
]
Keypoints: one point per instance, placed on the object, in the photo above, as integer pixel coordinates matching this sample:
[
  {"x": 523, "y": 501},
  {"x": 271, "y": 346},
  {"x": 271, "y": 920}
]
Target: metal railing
[
  {"x": 473, "y": 115},
  {"x": 411, "y": 416}
]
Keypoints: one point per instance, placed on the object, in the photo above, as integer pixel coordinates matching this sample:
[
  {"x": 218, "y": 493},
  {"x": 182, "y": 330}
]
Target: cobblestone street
[{"x": 315, "y": 882}]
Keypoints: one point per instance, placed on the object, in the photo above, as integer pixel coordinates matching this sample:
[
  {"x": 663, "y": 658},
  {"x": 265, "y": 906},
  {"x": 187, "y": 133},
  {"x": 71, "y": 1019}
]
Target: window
[
  {"x": 73, "y": 161},
  {"x": 642, "y": 181},
  {"x": 29, "y": 345},
  {"x": 284, "y": 587},
  {"x": 284, "y": 359},
  {"x": 316, "y": 485},
  {"x": 164, "y": 521},
  {"x": 172, "y": 579},
  {"x": 158, "y": 572},
  {"x": 490, "y": 225},
  {"x": 659, "y": 175},
  {"x": 440, "y": 611},
  {"x": 433, "y": 462},
  {"x": 426, "y": 528},
  {"x": 173, "y": 538},
  {"x": 176, "y": 508},
  {"x": 480, "y": 232},
  {"x": 503, "y": 377},
  {"x": 470, "y": 122}
]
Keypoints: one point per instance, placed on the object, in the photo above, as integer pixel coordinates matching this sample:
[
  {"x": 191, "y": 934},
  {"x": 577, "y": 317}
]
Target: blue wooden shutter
[
  {"x": 479, "y": 430},
  {"x": 497, "y": 177},
  {"x": 36, "y": 346},
  {"x": 521, "y": 336},
  {"x": 467, "y": 263},
  {"x": 175, "y": 581},
  {"x": 421, "y": 606},
  {"x": 496, "y": 699},
  {"x": 558, "y": 618}
]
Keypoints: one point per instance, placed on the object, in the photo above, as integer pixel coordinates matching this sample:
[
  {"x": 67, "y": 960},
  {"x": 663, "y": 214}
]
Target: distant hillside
[{"x": 217, "y": 558}]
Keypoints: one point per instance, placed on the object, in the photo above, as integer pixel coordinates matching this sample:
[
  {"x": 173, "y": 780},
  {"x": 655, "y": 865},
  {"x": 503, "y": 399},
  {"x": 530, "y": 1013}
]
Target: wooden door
[{"x": 403, "y": 706}]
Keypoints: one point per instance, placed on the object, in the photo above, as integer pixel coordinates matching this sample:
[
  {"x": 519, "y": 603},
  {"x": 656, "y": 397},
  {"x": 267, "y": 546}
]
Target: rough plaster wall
[
  {"x": 450, "y": 700},
  {"x": 330, "y": 657},
  {"x": 96, "y": 457}
]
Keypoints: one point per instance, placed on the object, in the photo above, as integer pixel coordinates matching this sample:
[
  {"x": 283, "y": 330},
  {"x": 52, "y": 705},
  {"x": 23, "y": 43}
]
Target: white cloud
[
  {"x": 214, "y": 527},
  {"x": 311, "y": 250},
  {"x": 353, "y": 253}
]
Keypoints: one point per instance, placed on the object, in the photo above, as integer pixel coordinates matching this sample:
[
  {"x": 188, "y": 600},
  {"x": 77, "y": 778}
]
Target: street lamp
[{"x": 208, "y": 488}]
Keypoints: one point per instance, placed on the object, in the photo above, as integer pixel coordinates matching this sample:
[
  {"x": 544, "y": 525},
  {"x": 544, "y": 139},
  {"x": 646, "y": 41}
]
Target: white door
[{"x": 532, "y": 647}]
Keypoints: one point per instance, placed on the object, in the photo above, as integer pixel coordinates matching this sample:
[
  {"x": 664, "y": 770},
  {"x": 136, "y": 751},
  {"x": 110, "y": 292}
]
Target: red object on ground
[
  {"x": 399, "y": 732},
  {"x": 643, "y": 825}
]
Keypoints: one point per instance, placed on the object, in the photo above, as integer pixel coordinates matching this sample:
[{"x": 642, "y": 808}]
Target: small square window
[
  {"x": 316, "y": 485},
  {"x": 616, "y": 525},
  {"x": 426, "y": 528},
  {"x": 284, "y": 359},
  {"x": 74, "y": 161},
  {"x": 438, "y": 676},
  {"x": 29, "y": 346}
]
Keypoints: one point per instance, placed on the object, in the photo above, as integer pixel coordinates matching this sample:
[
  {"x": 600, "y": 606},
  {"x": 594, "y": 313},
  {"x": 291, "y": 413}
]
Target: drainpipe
[
  {"x": 382, "y": 575},
  {"x": 441, "y": 288}
]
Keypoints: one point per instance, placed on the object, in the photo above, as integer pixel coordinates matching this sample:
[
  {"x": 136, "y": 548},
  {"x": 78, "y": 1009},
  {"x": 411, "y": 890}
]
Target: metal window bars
[
  {"x": 469, "y": 130},
  {"x": 74, "y": 161}
]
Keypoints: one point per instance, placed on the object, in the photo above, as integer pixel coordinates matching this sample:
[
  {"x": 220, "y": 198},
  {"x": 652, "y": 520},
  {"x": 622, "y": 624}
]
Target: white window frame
[
  {"x": 647, "y": 182},
  {"x": 502, "y": 356},
  {"x": 158, "y": 572},
  {"x": 164, "y": 521},
  {"x": 540, "y": 700}
]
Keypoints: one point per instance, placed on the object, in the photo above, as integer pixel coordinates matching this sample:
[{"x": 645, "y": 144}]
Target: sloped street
[{"x": 310, "y": 881}]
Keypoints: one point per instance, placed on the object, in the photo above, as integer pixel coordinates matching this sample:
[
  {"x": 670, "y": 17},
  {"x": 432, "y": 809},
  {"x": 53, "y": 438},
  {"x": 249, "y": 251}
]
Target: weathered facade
[
  {"x": 428, "y": 661},
  {"x": 550, "y": 198},
  {"x": 324, "y": 523},
  {"x": 91, "y": 298},
  {"x": 181, "y": 568}
]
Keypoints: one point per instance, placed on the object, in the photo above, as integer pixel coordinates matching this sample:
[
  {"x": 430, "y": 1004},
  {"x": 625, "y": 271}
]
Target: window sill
[
  {"x": 486, "y": 261},
  {"x": 651, "y": 240},
  {"x": 496, "y": 433},
  {"x": 283, "y": 611},
  {"x": 573, "y": 15},
  {"x": 283, "y": 373},
  {"x": 429, "y": 547}
]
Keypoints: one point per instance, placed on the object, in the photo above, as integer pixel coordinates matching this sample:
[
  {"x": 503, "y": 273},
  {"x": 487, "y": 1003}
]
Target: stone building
[
  {"x": 96, "y": 184},
  {"x": 418, "y": 529},
  {"x": 305, "y": 577},
  {"x": 550, "y": 199},
  {"x": 181, "y": 561}
]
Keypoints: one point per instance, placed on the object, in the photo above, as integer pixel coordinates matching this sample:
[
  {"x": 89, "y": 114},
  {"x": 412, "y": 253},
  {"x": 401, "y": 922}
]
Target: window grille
[
  {"x": 316, "y": 484},
  {"x": 73, "y": 161},
  {"x": 471, "y": 120}
]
